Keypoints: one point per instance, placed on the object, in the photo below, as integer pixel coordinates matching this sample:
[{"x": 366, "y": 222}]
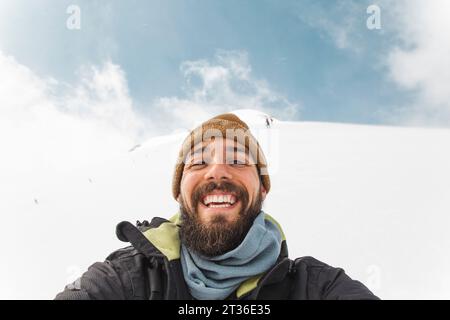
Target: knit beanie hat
[{"x": 227, "y": 126}]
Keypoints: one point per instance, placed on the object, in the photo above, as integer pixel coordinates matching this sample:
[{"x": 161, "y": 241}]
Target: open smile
[{"x": 219, "y": 200}]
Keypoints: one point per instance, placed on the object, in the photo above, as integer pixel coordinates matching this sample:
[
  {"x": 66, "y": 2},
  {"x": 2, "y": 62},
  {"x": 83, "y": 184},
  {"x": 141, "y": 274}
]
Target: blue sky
[{"x": 316, "y": 56}]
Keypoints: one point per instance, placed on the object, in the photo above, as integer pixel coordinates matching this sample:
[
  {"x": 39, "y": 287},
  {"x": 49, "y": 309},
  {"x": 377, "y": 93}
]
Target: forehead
[
  {"x": 210, "y": 146},
  {"x": 220, "y": 142}
]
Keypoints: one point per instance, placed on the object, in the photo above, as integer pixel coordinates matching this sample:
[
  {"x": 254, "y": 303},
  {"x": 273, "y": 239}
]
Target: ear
[
  {"x": 263, "y": 193},
  {"x": 178, "y": 198}
]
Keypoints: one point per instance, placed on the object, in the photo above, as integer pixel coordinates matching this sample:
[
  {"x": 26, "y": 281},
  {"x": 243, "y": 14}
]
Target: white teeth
[
  {"x": 219, "y": 205},
  {"x": 226, "y": 199}
]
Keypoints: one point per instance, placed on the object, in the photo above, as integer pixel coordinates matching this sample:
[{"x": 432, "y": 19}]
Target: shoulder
[
  {"x": 314, "y": 270},
  {"x": 130, "y": 266},
  {"x": 127, "y": 260},
  {"x": 120, "y": 276},
  {"x": 310, "y": 262},
  {"x": 322, "y": 281},
  {"x": 313, "y": 266},
  {"x": 126, "y": 253}
]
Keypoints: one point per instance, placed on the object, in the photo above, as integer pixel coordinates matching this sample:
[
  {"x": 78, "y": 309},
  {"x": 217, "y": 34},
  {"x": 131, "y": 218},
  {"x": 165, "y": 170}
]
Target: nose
[{"x": 218, "y": 172}]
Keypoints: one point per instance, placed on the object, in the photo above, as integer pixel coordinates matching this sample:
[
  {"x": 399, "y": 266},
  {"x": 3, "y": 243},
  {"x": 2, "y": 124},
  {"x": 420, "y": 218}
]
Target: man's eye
[{"x": 197, "y": 164}]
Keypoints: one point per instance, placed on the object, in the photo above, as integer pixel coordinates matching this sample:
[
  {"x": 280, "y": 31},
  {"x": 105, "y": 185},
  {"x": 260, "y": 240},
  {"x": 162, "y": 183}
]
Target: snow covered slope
[{"x": 374, "y": 200}]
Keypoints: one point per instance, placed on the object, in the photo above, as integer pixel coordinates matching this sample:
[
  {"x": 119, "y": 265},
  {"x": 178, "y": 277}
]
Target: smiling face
[{"x": 220, "y": 195}]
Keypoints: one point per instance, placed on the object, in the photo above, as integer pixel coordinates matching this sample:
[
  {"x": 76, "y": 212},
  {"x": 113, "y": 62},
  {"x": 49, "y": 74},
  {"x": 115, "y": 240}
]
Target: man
[{"x": 221, "y": 245}]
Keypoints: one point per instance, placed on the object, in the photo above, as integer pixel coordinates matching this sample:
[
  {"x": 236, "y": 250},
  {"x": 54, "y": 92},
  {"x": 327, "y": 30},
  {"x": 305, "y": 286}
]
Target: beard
[{"x": 219, "y": 236}]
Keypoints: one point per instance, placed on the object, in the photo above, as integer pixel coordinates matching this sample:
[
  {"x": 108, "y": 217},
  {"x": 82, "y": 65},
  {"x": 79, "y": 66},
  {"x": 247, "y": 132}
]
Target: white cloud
[
  {"x": 103, "y": 95},
  {"x": 223, "y": 85},
  {"x": 421, "y": 62},
  {"x": 47, "y": 126}
]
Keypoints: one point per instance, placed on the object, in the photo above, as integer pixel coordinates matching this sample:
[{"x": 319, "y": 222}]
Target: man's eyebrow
[{"x": 197, "y": 151}]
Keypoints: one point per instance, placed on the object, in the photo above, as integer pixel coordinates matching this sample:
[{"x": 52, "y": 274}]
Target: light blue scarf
[{"x": 217, "y": 277}]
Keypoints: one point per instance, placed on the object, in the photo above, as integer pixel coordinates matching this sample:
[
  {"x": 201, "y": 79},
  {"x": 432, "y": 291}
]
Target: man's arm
[
  {"x": 337, "y": 285},
  {"x": 100, "y": 282}
]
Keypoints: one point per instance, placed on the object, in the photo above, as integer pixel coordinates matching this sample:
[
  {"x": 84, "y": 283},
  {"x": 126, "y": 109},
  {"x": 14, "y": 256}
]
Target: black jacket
[{"x": 151, "y": 269}]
